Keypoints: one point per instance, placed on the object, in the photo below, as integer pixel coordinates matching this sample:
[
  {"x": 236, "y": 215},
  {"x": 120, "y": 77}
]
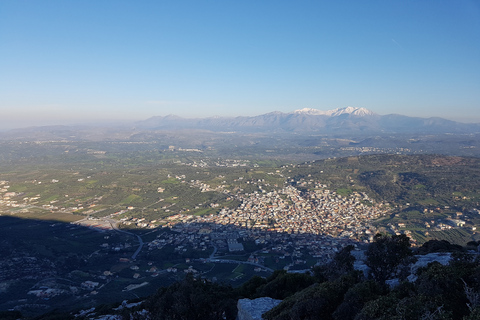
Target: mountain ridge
[
  {"x": 336, "y": 112},
  {"x": 352, "y": 121},
  {"x": 308, "y": 120}
]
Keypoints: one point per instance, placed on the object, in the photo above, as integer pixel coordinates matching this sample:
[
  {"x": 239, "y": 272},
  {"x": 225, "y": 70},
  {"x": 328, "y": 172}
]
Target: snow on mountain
[
  {"x": 359, "y": 112},
  {"x": 311, "y": 111}
]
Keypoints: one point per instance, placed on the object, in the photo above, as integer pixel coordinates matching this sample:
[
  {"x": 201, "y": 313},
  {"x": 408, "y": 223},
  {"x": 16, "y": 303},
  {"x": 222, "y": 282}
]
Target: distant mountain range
[
  {"x": 304, "y": 121},
  {"x": 349, "y": 121}
]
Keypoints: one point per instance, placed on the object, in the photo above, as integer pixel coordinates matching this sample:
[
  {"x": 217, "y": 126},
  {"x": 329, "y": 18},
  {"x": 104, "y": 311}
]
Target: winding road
[
  {"x": 216, "y": 260},
  {"x": 113, "y": 224}
]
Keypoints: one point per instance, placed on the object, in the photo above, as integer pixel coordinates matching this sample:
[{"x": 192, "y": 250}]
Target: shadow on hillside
[{"x": 49, "y": 264}]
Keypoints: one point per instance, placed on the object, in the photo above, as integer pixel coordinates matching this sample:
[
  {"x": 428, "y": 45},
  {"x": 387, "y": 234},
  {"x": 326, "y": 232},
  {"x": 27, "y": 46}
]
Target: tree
[
  {"x": 193, "y": 299},
  {"x": 249, "y": 288},
  {"x": 355, "y": 299},
  {"x": 10, "y": 315},
  {"x": 344, "y": 260},
  {"x": 443, "y": 285},
  {"x": 342, "y": 263},
  {"x": 281, "y": 284},
  {"x": 439, "y": 246},
  {"x": 315, "y": 302},
  {"x": 385, "y": 254}
]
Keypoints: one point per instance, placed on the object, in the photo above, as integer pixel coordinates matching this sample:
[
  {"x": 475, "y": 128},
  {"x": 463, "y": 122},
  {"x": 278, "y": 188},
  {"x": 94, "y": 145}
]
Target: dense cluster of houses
[
  {"x": 317, "y": 212},
  {"x": 317, "y": 222}
]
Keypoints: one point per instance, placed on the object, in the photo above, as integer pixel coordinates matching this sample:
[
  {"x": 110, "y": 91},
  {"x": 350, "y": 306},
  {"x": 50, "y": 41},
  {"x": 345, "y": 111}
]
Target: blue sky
[{"x": 74, "y": 61}]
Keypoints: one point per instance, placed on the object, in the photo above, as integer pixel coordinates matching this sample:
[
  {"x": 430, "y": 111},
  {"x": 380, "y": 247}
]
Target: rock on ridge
[{"x": 253, "y": 309}]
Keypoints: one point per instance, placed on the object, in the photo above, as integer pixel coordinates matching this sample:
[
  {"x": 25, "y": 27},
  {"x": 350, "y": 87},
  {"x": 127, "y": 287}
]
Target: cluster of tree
[
  {"x": 440, "y": 291},
  {"x": 337, "y": 291}
]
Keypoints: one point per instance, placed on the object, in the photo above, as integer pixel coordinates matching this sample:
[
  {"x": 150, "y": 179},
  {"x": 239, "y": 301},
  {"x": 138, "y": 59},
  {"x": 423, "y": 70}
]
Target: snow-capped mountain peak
[
  {"x": 310, "y": 111},
  {"x": 360, "y": 112}
]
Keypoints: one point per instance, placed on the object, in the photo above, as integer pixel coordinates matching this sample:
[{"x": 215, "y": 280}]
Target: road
[
  {"x": 235, "y": 262},
  {"x": 113, "y": 223},
  {"x": 215, "y": 249},
  {"x": 216, "y": 260}
]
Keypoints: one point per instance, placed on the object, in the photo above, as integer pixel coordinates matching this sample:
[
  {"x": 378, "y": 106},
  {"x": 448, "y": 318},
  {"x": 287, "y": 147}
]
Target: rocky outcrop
[{"x": 253, "y": 309}]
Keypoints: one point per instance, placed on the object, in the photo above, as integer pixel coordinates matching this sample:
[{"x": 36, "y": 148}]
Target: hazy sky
[{"x": 70, "y": 61}]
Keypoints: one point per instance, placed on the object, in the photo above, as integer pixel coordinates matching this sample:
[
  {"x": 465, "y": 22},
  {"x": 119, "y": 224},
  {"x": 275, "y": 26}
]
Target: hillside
[
  {"x": 114, "y": 223},
  {"x": 418, "y": 179},
  {"x": 442, "y": 286}
]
